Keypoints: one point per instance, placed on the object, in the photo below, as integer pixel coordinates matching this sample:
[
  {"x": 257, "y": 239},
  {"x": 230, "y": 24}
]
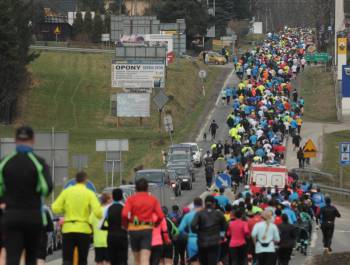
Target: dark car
[
  {"x": 183, "y": 158},
  {"x": 184, "y": 177},
  {"x": 128, "y": 190},
  {"x": 156, "y": 176}
]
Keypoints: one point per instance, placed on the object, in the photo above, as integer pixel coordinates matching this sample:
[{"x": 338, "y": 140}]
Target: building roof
[{"x": 61, "y": 7}]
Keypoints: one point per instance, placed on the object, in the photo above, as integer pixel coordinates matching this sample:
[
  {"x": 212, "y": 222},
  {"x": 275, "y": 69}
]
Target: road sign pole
[
  {"x": 203, "y": 88},
  {"x": 53, "y": 162},
  {"x": 113, "y": 173},
  {"x": 171, "y": 137},
  {"x": 120, "y": 169},
  {"x": 341, "y": 172},
  {"x": 160, "y": 120}
]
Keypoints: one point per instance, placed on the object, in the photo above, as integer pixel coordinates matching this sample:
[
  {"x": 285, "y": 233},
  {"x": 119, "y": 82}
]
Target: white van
[{"x": 268, "y": 175}]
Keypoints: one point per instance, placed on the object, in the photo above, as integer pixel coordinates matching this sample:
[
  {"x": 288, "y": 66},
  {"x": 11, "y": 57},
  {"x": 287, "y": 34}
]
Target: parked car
[
  {"x": 54, "y": 238},
  {"x": 213, "y": 57},
  {"x": 184, "y": 177},
  {"x": 196, "y": 154}
]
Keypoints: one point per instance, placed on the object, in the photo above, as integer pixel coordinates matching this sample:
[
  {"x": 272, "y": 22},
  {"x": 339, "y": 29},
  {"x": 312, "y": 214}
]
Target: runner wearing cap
[{"x": 24, "y": 180}]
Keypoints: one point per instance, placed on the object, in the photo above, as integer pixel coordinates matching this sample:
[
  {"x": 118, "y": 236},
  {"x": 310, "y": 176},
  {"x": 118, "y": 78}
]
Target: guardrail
[
  {"x": 311, "y": 174},
  {"x": 68, "y": 49}
]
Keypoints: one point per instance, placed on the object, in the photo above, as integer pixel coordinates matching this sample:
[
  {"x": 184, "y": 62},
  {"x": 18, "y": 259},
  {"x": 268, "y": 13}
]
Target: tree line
[{"x": 88, "y": 28}]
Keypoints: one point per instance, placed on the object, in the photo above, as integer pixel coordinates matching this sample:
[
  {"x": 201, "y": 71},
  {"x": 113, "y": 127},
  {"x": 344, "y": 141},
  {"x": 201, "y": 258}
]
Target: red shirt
[
  {"x": 252, "y": 221},
  {"x": 278, "y": 220},
  {"x": 238, "y": 230},
  {"x": 255, "y": 189},
  {"x": 141, "y": 206}
]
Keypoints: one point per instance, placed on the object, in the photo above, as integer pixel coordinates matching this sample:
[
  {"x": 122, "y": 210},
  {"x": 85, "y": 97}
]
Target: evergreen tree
[
  {"x": 88, "y": 26},
  {"x": 78, "y": 25},
  {"x": 16, "y": 37},
  {"x": 194, "y": 12},
  {"x": 97, "y": 29},
  {"x": 227, "y": 10},
  {"x": 107, "y": 24}
]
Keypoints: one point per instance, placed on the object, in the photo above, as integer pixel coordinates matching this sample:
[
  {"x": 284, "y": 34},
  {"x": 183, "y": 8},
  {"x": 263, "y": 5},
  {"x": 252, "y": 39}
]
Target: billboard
[
  {"x": 162, "y": 40},
  {"x": 257, "y": 27},
  {"x": 138, "y": 74},
  {"x": 133, "y": 105},
  {"x": 151, "y": 40}
]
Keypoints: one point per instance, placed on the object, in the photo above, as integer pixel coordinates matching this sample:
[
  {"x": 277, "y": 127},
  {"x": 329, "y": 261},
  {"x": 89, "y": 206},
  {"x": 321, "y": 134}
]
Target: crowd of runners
[{"x": 256, "y": 225}]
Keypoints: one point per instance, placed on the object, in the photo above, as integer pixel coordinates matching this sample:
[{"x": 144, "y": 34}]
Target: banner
[{"x": 138, "y": 74}]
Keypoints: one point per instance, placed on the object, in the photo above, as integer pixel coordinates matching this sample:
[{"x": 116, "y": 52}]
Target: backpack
[{"x": 172, "y": 229}]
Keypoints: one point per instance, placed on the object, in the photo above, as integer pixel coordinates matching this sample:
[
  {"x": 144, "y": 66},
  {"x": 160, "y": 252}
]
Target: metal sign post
[
  {"x": 169, "y": 127},
  {"x": 344, "y": 159},
  {"x": 113, "y": 163},
  {"x": 160, "y": 100},
  {"x": 202, "y": 74}
]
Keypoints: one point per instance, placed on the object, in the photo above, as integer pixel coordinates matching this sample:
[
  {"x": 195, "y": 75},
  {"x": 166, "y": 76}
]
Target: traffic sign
[
  {"x": 223, "y": 180},
  {"x": 344, "y": 157},
  {"x": 160, "y": 99},
  {"x": 318, "y": 57},
  {"x": 309, "y": 149},
  {"x": 57, "y": 30},
  {"x": 168, "y": 123},
  {"x": 202, "y": 74}
]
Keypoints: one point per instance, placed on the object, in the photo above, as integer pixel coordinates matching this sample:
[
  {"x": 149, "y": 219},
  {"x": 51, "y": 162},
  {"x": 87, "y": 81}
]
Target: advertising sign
[
  {"x": 151, "y": 40},
  {"x": 162, "y": 40},
  {"x": 344, "y": 157},
  {"x": 133, "y": 105},
  {"x": 346, "y": 81},
  {"x": 342, "y": 45},
  {"x": 138, "y": 74}
]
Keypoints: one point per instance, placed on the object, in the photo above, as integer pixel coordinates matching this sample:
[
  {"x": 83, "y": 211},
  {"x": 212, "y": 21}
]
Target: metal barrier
[{"x": 312, "y": 174}]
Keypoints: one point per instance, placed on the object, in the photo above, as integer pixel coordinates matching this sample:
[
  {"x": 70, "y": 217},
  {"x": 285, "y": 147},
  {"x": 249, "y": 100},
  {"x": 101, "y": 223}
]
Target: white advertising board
[
  {"x": 159, "y": 40},
  {"x": 133, "y": 104},
  {"x": 112, "y": 145},
  {"x": 138, "y": 74},
  {"x": 258, "y": 27}
]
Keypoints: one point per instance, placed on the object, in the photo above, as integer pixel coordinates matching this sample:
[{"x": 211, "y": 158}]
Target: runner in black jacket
[
  {"x": 24, "y": 180},
  {"x": 208, "y": 224},
  {"x": 327, "y": 215},
  {"x": 117, "y": 238}
]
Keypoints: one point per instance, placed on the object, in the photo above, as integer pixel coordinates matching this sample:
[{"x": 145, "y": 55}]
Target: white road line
[
  {"x": 209, "y": 117},
  {"x": 314, "y": 237}
]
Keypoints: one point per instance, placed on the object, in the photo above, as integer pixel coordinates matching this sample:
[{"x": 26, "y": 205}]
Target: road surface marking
[
  {"x": 314, "y": 237},
  {"x": 209, "y": 117}
]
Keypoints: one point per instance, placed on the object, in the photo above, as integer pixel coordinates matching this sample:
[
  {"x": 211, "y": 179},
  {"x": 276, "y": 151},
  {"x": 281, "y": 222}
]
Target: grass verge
[
  {"x": 317, "y": 88},
  {"x": 70, "y": 91},
  {"x": 331, "y": 156}
]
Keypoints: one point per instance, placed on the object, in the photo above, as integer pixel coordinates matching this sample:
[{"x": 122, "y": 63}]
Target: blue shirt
[
  {"x": 185, "y": 228},
  {"x": 292, "y": 218},
  {"x": 318, "y": 199},
  {"x": 293, "y": 197},
  {"x": 223, "y": 201},
  {"x": 253, "y": 139}
]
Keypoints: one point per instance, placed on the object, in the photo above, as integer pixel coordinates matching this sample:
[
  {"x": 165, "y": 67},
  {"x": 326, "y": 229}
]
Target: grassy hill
[{"x": 70, "y": 91}]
